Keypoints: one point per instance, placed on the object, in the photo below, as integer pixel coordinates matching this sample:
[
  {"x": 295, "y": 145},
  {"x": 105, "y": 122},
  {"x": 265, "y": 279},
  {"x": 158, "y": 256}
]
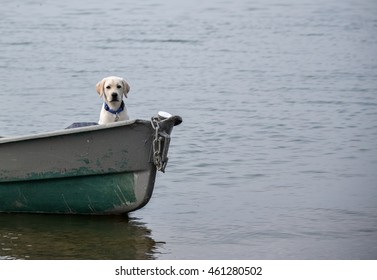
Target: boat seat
[{"x": 81, "y": 124}]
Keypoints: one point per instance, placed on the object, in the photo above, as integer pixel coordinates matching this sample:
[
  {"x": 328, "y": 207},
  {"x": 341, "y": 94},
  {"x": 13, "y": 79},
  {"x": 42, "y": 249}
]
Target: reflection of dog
[{"x": 111, "y": 89}]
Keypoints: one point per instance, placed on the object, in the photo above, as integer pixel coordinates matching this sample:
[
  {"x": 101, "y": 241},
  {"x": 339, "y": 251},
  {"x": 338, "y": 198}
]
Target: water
[{"x": 277, "y": 154}]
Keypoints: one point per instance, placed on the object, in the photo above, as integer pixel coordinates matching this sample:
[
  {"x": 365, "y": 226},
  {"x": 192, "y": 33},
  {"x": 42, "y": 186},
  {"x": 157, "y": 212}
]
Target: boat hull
[
  {"x": 101, "y": 170},
  {"x": 106, "y": 194}
]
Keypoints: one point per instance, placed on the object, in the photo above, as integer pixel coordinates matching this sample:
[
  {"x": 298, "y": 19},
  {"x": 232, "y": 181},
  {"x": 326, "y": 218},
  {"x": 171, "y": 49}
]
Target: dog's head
[{"x": 112, "y": 89}]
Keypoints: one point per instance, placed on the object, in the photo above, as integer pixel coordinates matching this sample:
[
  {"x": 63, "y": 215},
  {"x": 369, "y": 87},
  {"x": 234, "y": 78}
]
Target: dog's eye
[
  {"x": 108, "y": 87},
  {"x": 119, "y": 86}
]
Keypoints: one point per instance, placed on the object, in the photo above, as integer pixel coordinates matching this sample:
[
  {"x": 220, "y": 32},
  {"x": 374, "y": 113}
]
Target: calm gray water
[{"x": 277, "y": 154}]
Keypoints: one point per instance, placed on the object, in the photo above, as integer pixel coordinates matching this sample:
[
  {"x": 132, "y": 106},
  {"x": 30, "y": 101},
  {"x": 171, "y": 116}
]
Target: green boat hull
[
  {"x": 95, "y": 194},
  {"x": 100, "y": 170}
]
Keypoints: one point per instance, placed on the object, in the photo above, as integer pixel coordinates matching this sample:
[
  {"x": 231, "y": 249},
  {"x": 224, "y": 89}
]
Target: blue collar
[{"x": 120, "y": 109}]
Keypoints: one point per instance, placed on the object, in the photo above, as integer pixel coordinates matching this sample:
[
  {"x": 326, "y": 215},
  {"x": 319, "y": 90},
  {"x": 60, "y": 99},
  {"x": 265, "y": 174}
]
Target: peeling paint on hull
[{"x": 104, "y": 194}]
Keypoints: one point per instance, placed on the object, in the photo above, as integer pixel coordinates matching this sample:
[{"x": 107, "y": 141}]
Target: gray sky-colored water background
[{"x": 277, "y": 154}]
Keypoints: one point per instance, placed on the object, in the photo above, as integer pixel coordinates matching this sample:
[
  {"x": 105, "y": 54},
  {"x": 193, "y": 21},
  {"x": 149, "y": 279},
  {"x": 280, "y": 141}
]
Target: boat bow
[{"x": 97, "y": 169}]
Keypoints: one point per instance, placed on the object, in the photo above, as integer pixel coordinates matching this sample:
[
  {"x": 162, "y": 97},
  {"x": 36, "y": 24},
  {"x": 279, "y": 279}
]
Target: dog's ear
[
  {"x": 126, "y": 88},
  {"x": 99, "y": 87}
]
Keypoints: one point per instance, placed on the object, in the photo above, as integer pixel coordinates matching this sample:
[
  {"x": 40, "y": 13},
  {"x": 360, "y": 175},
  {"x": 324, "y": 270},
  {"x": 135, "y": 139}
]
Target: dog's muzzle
[{"x": 114, "y": 97}]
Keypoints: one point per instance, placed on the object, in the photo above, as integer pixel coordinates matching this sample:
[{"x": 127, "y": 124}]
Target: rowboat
[{"x": 107, "y": 169}]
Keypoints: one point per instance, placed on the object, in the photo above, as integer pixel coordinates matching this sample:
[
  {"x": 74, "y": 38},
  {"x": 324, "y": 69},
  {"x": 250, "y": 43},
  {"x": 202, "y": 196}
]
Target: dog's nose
[{"x": 114, "y": 94}]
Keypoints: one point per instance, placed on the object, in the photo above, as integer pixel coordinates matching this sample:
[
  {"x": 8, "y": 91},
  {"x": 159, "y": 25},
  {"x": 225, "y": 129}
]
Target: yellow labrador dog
[{"x": 112, "y": 89}]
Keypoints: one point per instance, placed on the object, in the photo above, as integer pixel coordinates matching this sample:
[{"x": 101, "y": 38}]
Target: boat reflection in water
[{"x": 28, "y": 236}]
